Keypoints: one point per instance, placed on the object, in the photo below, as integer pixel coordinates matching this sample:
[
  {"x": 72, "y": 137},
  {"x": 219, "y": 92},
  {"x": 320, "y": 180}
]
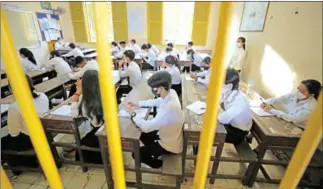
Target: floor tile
[
  {"x": 27, "y": 177},
  {"x": 41, "y": 180},
  {"x": 269, "y": 186},
  {"x": 236, "y": 184},
  {"x": 38, "y": 187},
  {"x": 17, "y": 185},
  {"x": 95, "y": 182},
  {"x": 79, "y": 180}
]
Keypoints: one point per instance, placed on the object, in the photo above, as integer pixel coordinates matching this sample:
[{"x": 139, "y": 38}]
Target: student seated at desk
[
  {"x": 239, "y": 57},
  {"x": 18, "y": 138},
  {"x": 175, "y": 51},
  {"x": 172, "y": 67},
  {"x": 57, "y": 63},
  {"x": 83, "y": 66},
  {"x": 237, "y": 116},
  {"x": 87, "y": 103},
  {"x": 75, "y": 51},
  {"x": 196, "y": 58},
  {"x": 59, "y": 44},
  {"x": 149, "y": 60},
  {"x": 122, "y": 46},
  {"x": 114, "y": 48},
  {"x": 189, "y": 46},
  {"x": 132, "y": 71},
  {"x": 164, "y": 133},
  {"x": 298, "y": 105},
  {"x": 134, "y": 46},
  {"x": 28, "y": 60},
  {"x": 153, "y": 48},
  {"x": 203, "y": 77}
]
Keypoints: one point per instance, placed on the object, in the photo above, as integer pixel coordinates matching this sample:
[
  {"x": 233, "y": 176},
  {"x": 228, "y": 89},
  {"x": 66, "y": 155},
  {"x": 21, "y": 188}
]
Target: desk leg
[
  {"x": 105, "y": 159},
  {"x": 64, "y": 92},
  {"x": 216, "y": 162},
  {"x": 185, "y": 144},
  {"x": 137, "y": 164},
  {"x": 78, "y": 146},
  {"x": 54, "y": 150},
  {"x": 253, "y": 168}
]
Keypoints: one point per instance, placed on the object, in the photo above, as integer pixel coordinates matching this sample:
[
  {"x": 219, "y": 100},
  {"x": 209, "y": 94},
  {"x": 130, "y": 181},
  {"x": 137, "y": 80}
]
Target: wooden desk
[
  {"x": 271, "y": 133},
  {"x": 191, "y": 92},
  {"x": 51, "y": 88}
]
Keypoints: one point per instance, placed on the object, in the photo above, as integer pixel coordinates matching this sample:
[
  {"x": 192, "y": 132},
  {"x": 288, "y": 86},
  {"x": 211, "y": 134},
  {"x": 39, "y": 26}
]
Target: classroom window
[
  {"x": 90, "y": 21},
  {"x": 177, "y": 22}
]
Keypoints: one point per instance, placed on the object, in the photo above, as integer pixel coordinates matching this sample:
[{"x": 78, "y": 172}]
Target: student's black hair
[
  {"x": 207, "y": 60},
  {"x": 170, "y": 45},
  {"x": 133, "y": 40},
  {"x": 190, "y": 43},
  {"x": 58, "y": 38},
  {"x": 28, "y": 54},
  {"x": 192, "y": 52},
  {"x": 91, "y": 98},
  {"x": 78, "y": 60},
  {"x": 31, "y": 87},
  {"x": 114, "y": 43},
  {"x": 144, "y": 46},
  {"x": 72, "y": 45},
  {"x": 160, "y": 79},
  {"x": 313, "y": 86},
  {"x": 54, "y": 54},
  {"x": 130, "y": 54},
  {"x": 169, "y": 49},
  {"x": 122, "y": 42},
  {"x": 149, "y": 45},
  {"x": 244, "y": 42},
  {"x": 232, "y": 76},
  {"x": 173, "y": 60}
]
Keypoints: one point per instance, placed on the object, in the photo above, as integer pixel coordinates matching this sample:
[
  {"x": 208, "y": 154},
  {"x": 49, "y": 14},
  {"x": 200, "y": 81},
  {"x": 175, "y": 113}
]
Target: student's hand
[
  {"x": 130, "y": 108},
  {"x": 132, "y": 104},
  {"x": 193, "y": 75},
  {"x": 263, "y": 105},
  {"x": 120, "y": 63},
  {"x": 79, "y": 86},
  {"x": 163, "y": 64},
  {"x": 74, "y": 69},
  {"x": 268, "y": 108}
]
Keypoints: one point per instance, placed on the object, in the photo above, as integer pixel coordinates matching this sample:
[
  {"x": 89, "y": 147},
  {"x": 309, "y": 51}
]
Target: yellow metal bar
[
  {"x": 5, "y": 183},
  {"x": 213, "y": 97},
  {"x": 108, "y": 92},
  {"x": 20, "y": 89},
  {"x": 305, "y": 149}
]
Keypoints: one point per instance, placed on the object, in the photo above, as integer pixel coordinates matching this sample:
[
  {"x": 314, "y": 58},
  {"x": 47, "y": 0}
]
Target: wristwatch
[{"x": 133, "y": 114}]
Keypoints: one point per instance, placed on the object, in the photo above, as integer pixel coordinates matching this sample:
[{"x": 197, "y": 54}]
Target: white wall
[{"x": 134, "y": 31}]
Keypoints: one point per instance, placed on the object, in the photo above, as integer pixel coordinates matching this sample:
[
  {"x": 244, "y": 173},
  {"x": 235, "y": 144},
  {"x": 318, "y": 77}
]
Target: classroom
[{"x": 170, "y": 94}]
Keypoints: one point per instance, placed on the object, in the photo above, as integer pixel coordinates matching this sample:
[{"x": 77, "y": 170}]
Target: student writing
[
  {"x": 196, "y": 59},
  {"x": 153, "y": 48},
  {"x": 203, "y": 77},
  {"x": 28, "y": 60},
  {"x": 134, "y": 46},
  {"x": 75, "y": 51},
  {"x": 163, "y": 134},
  {"x": 18, "y": 138},
  {"x": 57, "y": 63},
  {"x": 150, "y": 59},
  {"x": 298, "y": 105}
]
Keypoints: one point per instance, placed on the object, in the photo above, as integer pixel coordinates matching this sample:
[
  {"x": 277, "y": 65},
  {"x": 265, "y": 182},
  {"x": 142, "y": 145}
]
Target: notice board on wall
[{"x": 49, "y": 26}]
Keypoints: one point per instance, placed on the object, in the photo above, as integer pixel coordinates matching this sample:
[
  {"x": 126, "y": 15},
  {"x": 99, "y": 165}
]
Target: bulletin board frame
[{"x": 49, "y": 25}]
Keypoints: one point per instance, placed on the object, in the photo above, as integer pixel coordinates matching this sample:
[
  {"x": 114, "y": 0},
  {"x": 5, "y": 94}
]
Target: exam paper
[
  {"x": 63, "y": 110},
  {"x": 197, "y": 107},
  {"x": 260, "y": 112}
]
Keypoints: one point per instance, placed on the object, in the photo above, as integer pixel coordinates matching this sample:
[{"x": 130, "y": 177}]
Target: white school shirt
[
  {"x": 90, "y": 65},
  {"x": 136, "y": 48},
  {"x": 297, "y": 113},
  {"x": 120, "y": 53},
  {"x": 16, "y": 123},
  {"x": 58, "y": 45},
  {"x": 75, "y": 52},
  {"x": 133, "y": 72},
  {"x": 151, "y": 58},
  {"x": 197, "y": 59},
  {"x": 58, "y": 64},
  {"x": 75, "y": 113},
  {"x": 168, "y": 121},
  {"x": 27, "y": 65},
  {"x": 115, "y": 50},
  {"x": 237, "y": 111},
  {"x": 238, "y": 59},
  {"x": 175, "y": 73},
  {"x": 155, "y": 50},
  {"x": 176, "y": 51},
  {"x": 206, "y": 74}
]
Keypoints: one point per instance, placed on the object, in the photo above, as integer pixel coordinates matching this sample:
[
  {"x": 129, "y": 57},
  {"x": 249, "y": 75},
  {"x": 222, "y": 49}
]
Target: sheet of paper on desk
[
  {"x": 189, "y": 78},
  {"x": 197, "y": 107},
  {"x": 260, "y": 112},
  {"x": 63, "y": 110},
  {"x": 254, "y": 103},
  {"x": 149, "y": 75}
]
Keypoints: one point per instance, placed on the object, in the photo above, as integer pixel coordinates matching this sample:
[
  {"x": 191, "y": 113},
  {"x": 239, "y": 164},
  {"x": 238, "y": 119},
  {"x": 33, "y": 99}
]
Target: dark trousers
[
  {"x": 234, "y": 135},
  {"x": 178, "y": 89},
  {"x": 90, "y": 140},
  {"x": 152, "y": 150},
  {"x": 146, "y": 66},
  {"x": 72, "y": 90},
  {"x": 18, "y": 143},
  {"x": 194, "y": 68},
  {"x": 123, "y": 89}
]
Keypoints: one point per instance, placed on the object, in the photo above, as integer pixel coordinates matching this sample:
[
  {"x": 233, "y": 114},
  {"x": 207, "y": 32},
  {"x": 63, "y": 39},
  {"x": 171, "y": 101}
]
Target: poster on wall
[
  {"x": 254, "y": 16},
  {"x": 136, "y": 20},
  {"x": 49, "y": 26}
]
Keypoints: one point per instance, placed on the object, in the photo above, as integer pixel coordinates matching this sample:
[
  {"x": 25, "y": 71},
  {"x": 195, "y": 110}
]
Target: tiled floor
[{"x": 73, "y": 177}]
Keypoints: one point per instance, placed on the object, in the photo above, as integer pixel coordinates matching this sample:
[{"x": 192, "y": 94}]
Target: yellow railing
[{"x": 298, "y": 164}]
